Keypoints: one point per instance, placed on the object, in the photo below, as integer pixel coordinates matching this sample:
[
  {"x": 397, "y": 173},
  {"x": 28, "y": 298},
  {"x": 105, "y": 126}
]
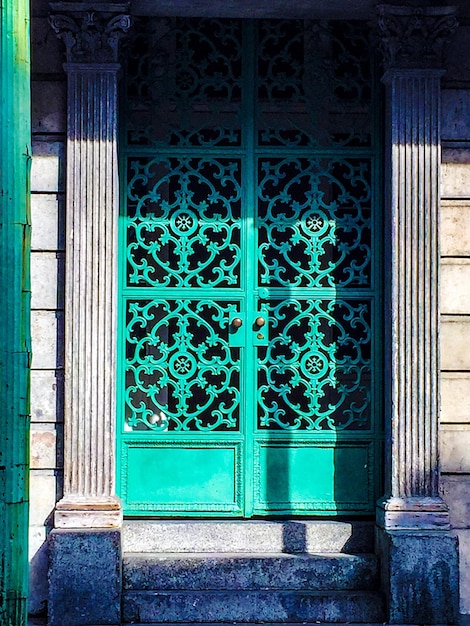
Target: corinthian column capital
[
  {"x": 414, "y": 38},
  {"x": 91, "y": 33}
]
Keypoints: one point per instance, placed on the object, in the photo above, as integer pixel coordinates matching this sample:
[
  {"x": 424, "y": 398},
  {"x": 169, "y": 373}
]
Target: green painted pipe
[{"x": 15, "y": 352}]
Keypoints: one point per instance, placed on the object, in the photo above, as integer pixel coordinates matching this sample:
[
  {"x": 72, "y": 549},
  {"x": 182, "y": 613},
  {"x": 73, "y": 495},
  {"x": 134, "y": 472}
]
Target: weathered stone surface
[
  {"x": 44, "y": 449},
  {"x": 47, "y": 280},
  {"x": 455, "y": 397},
  {"x": 47, "y": 167},
  {"x": 38, "y": 562},
  {"x": 455, "y": 118},
  {"x": 456, "y": 492},
  {"x": 455, "y": 286},
  {"x": 455, "y": 180},
  {"x": 420, "y": 576},
  {"x": 47, "y": 395},
  {"x": 464, "y": 550},
  {"x": 47, "y": 219},
  {"x": 455, "y": 228},
  {"x": 47, "y": 339},
  {"x": 241, "y": 571},
  {"x": 90, "y": 36},
  {"x": 48, "y": 114},
  {"x": 259, "y": 536},
  {"x": 251, "y": 606},
  {"x": 45, "y": 47},
  {"x": 458, "y": 64},
  {"x": 455, "y": 340},
  {"x": 455, "y": 446},
  {"x": 84, "y": 578},
  {"x": 91, "y": 39},
  {"x": 43, "y": 493},
  {"x": 415, "y": 38}
]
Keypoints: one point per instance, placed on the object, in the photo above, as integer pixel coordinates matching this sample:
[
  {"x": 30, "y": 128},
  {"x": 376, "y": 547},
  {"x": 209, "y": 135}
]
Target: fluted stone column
[
  {"x": 419, "y": 554},
  {"x": 91, "y": 39},
  {"x": 88, "y": 518}
]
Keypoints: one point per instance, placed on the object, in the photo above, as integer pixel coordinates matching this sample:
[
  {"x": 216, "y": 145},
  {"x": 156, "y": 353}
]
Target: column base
[
  {"x": 84, "y": 577},
  {"x": 420, "y": 575},
  {"x": 416, "y": 513},
  {"x": 86, "y": 512}
]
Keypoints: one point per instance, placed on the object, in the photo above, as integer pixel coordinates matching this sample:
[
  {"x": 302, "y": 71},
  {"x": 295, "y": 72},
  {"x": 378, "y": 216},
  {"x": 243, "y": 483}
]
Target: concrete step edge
[
  {"x": 248, "y": 536},
  {"x": 249, "y": 572},
  {"x": 249, "y": 607}
]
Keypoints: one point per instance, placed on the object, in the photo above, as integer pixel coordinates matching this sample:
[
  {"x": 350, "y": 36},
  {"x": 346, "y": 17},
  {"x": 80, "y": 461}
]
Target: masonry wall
[
  {"x": 47, "y": 266},
  {"x": 455, "y": 297},
  {"x": 47, "y": 276}
]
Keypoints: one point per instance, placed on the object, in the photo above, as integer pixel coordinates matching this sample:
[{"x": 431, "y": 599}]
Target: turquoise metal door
[{"x": 250, "y": 287}]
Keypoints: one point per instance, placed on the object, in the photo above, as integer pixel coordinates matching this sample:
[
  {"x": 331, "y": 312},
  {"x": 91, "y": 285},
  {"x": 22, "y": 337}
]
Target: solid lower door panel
[
  {"x": 189, "y": 477},
  {"x": 308, "y": 477}
]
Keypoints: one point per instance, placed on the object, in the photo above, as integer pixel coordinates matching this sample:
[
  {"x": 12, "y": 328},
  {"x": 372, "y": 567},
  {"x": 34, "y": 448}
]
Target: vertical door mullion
[{"x": 250, "y": 251}]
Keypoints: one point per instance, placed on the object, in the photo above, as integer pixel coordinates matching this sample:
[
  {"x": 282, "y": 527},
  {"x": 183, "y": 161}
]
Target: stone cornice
[
  {"x": 414, "y": 37},
  {"x": 90, "y": 35}
]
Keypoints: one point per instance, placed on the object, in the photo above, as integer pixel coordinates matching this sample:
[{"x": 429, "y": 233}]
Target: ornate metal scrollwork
[
  {"x": 316, "y": 372},
  {"x": 184, "y": 222},
  {"x": 314, "y": 222},
  {"x": 181, "y": 373},
  {"x": 250, "y": 171},
  {"x": 184, "y": 83},
  {"x": 314, "y": 84}
]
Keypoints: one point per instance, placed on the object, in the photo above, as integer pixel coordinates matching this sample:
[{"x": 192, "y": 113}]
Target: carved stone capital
[
  {"x": 90, "y": 35},
  {"x": 414, "y": 38}
]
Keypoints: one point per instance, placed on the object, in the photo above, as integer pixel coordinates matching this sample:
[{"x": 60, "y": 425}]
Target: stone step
[
  {"x": 251, "y": 606},
  {"x": 156, "y": 536},
  {"x": 164, "y": 572}
]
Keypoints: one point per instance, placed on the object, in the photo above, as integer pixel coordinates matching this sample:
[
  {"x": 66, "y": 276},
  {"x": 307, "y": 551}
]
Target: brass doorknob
[
  {"x": 237, "y": 322},
  {"x": 260, "y": 321}
]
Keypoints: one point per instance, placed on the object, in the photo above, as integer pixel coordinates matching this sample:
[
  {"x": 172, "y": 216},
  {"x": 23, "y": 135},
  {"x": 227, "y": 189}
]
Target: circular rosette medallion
[
  {"x": 315, "y": 222},
  {"x": 184, "y": 222},
  {"x": 314, "y": 364},
  {"x": 182, "y": 365}
]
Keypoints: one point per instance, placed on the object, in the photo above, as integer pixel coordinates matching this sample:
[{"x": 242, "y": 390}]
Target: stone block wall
[
  {"x": 47, "y": 301},
  {"x": 455, "y": 298}
]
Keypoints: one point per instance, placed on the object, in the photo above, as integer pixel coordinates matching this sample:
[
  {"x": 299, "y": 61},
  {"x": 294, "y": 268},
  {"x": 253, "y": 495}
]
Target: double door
[{"x": 249, "y": 288}]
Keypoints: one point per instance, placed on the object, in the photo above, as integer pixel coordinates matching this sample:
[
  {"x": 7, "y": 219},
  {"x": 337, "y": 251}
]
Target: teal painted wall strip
[{"x": 15, "y": 352}]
